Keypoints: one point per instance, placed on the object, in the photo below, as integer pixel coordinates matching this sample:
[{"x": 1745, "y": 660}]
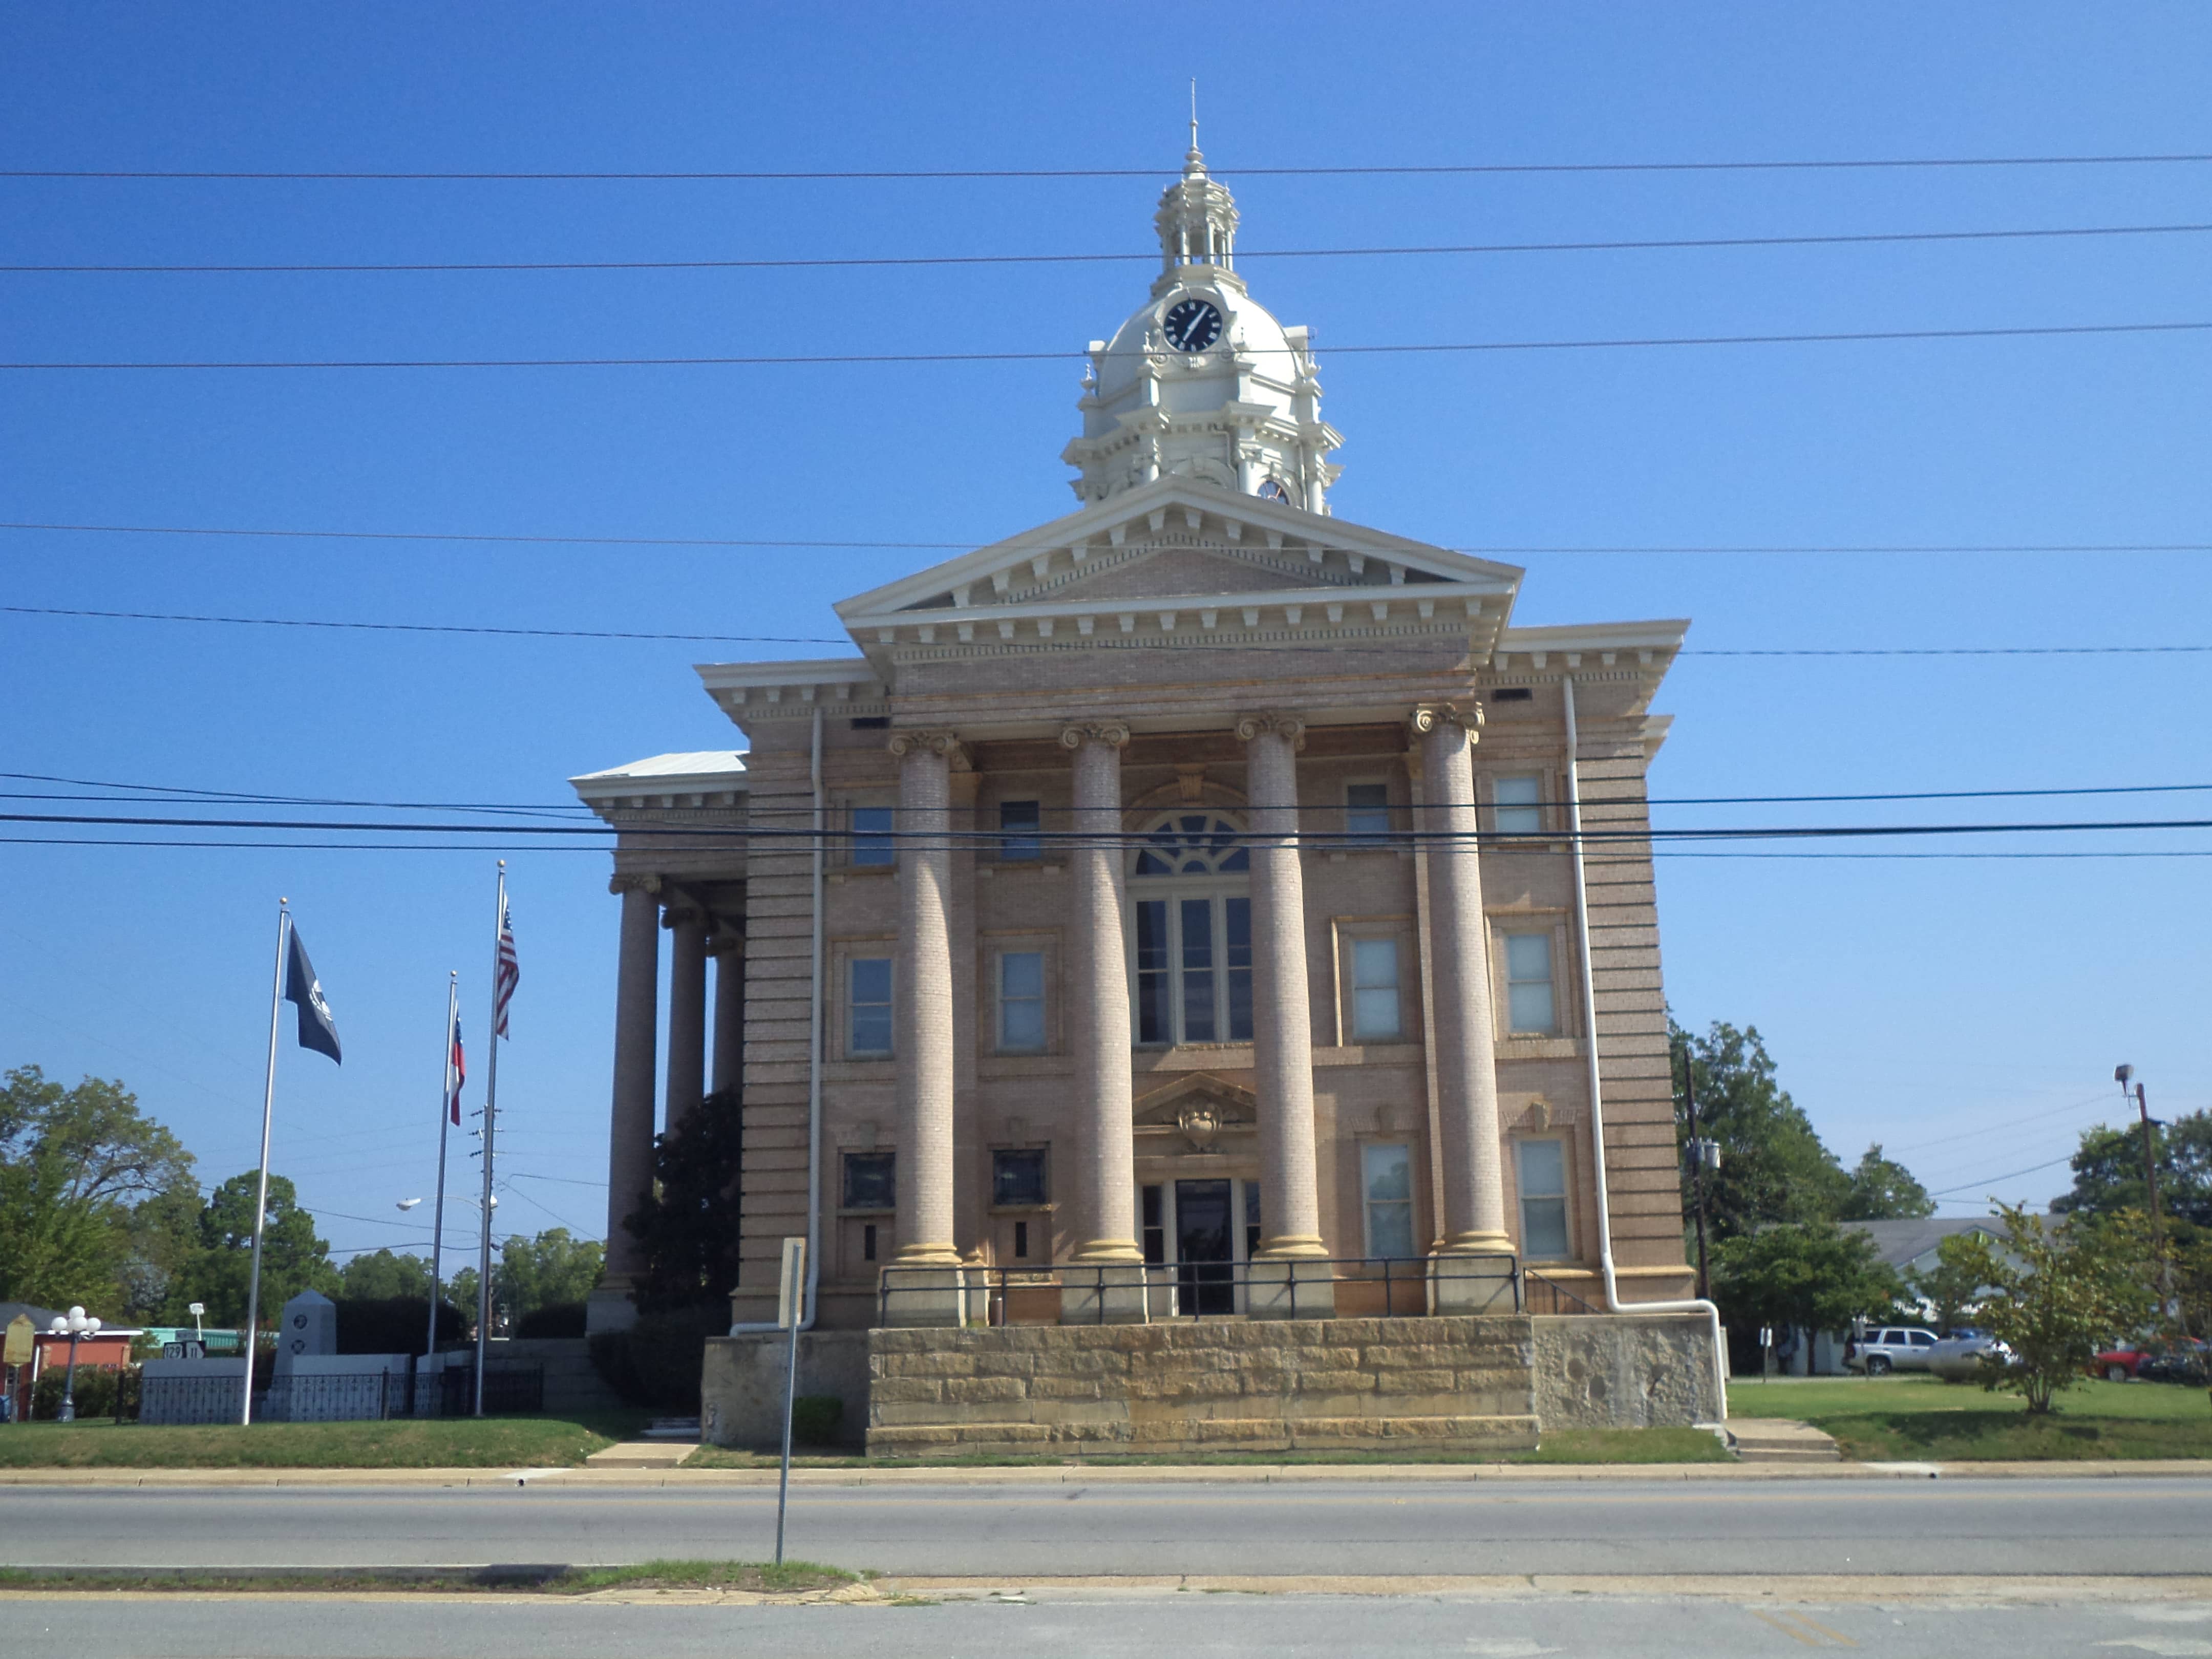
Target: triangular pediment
[{"x": 1175, "y": 538}]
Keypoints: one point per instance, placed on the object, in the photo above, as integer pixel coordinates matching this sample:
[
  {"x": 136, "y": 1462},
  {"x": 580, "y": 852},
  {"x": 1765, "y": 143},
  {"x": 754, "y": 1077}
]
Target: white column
[
  {"x": 629, "y": 1145},
  {"x": 687, "y": 1016},
  {"x": 1097, "y": 1001},
  {"x": 1473, "y": 1220},
  {"x": 1282, "y": 1027},
  {"x": 923, "y": 1014}
]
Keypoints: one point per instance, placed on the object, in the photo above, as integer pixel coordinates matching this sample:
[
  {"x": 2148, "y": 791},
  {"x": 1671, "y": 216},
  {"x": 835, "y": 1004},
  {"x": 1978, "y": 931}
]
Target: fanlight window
[
  {"x": 1191, "y": 931},
  {"x": 1192, "y": 844}
]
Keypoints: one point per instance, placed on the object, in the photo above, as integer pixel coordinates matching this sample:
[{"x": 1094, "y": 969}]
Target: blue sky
[{"x": 1966, "y": 1013}]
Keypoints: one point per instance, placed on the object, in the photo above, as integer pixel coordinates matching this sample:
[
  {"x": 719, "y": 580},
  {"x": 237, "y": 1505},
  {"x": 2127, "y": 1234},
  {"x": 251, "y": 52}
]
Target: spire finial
[{"x": 1193, "y": 162}]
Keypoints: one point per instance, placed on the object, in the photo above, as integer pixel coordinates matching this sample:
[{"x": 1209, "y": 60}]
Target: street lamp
[{"x": 75, "y": 1326}]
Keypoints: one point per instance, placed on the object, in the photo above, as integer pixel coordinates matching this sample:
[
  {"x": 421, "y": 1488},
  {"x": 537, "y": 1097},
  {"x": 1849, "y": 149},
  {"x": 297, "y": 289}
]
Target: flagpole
[
  {"x": 438, "y": 1215},
  {"x": 490, "y": 1109},
  {"x": 261, "y": 1195}
]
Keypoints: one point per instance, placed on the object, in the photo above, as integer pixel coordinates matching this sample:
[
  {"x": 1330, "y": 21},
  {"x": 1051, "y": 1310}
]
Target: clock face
[
  {"x": 1273, "y": 490},
  {"x": 1192, "y": 324}
]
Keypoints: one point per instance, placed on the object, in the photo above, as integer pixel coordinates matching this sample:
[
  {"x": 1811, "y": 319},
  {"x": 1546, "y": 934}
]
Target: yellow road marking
[
  {"x": 1794, "y": 1634},
  {"x": 1835, "y": 1636}
]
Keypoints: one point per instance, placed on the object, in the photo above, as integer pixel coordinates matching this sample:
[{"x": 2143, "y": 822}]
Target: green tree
[
  {"x": 2108, "y": 1171},
  {"x": 1882, "y": 1189},
  {"x": 1808, "y": 1275},
  {"x": 380, "y": 1275},
  {"x": 689, "y": 1223},
  {"x": 2057, "y": 1291},
  {"x": 73, "y": 1162},
  {"x": 161, "y": 1237},
  {"x": 1773, "y": 1165},
  {"x": 1954, "y": 1285},
  {"x": 551, "y": 1268},
  {"x": 293, "y": 1257}
]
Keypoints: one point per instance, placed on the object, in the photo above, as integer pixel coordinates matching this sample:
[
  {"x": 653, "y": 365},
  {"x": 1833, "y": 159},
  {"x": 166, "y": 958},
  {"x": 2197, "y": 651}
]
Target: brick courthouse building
[{"x": 1169, "y": 910}]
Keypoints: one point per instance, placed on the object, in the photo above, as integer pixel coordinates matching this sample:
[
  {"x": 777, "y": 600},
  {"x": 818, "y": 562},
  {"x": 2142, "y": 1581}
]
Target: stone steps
[{"x": 1773, "y": 1440}]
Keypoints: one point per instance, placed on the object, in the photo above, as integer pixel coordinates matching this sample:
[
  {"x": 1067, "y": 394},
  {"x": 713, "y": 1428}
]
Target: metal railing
[
  {"x": 1545, "y": 1296},
  {"x": 344, "y": 1397},
  {"x": 1375, "y": 1286}
]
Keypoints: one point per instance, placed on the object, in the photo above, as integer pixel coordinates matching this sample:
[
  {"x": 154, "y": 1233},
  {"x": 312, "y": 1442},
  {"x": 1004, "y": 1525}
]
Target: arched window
[{"x": 1191, "y": 929}]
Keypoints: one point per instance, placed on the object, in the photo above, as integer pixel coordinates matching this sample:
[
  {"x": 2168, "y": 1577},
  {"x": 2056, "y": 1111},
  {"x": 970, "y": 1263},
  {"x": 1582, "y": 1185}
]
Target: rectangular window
[
  {"x": 868, "y": 1242},
  {"x": 1386, "y": 1173},
  {"x": 868, "y": 1026},
  {"x": 1367, "y": 813},
  {"x": 871, "y": 1180},
  {"x": 1251, "y": 1220},
  {"x": 1543, "y": 1171},
  {"x": 1529, "y": 984},
  {"x": 1021, "y": 1241},
  {"x": 1018, "y": 822},
  {"x": 1017, "y": 1178},
  {"x": 1021, "y": 1001},
  {"x": 1197, "y": 970},
  {"x": 1154, "y": 1017},
  {"x": 871, "y": 837},
  {"x": 1520, "y": 810},
  {"x": 1374, "y": 989},
  {"x": 1156, "y": 1233},
  {"x": 1237, "y": 913}
]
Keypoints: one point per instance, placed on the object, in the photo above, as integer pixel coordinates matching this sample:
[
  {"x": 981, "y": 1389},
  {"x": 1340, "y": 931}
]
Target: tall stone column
[
  {"x": 1097, "y": 1002},
  {"x": 1473, "y": 1220},
  {"x": 630, "y": 1142},
  {"x": 687, "y": 1015},
  {"x": 1282, "y": 1033},
  {"x": 922, "y": 1038},
  {"x": 729, "y": 951}
]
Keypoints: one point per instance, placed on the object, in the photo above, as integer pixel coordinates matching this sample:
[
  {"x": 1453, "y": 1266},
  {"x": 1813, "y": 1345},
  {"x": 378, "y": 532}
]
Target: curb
[{"x": 1237, "y": 1474}]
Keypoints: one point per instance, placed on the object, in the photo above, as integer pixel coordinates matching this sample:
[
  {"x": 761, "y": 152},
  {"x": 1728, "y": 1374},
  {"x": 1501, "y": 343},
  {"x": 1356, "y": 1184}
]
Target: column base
[
  {"x": 1289, "y": 1287},
  {"x": 1465, "y": 1280},
  {"x": 1105, "y": 1293},
  {"x": 608, "y": 1308},
  {"x": 922, "y": 1294}
]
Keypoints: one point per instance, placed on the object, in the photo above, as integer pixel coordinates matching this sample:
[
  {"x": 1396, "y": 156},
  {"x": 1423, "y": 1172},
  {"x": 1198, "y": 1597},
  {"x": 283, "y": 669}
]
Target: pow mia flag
[{"x": 318, "y": 1030}]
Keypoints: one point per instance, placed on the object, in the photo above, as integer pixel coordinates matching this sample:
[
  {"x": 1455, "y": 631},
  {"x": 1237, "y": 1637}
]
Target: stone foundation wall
[
  {"x": 1624, "y": 1370},
  {"x": 1461, "y": 1384},
  {"x": 741, "y": 1382}
]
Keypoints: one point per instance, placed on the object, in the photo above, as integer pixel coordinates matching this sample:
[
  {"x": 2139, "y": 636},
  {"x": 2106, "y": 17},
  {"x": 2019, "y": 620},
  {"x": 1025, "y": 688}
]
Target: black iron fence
[
  {"x": 1082, "y": 1293},
  {"x": 343, "y": 1397},
  {"x": 1545, "y": 1296}
]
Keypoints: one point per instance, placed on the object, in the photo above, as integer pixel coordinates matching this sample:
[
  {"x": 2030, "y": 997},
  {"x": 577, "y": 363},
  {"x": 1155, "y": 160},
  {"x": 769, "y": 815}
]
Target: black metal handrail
[
  {"x": 1184, "y": 1288},
  {"x": 1542, "y": 1289}
]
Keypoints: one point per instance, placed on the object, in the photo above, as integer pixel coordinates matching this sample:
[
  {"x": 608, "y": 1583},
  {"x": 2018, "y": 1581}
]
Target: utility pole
[
  {"x": 2121, "y": 1074},
  {"x": 1698, "y": 1160}
]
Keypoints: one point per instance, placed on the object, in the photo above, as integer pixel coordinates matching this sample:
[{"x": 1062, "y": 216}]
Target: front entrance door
[{"x": 1205, "y": 1251}]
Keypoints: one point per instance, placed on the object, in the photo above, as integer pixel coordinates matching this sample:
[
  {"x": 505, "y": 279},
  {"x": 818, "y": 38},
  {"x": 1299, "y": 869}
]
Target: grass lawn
[
  {"x": 1918, "y": 1418},
  {"x": 400, "y": 1443},
  {"x": 1559, "y": 1446}
]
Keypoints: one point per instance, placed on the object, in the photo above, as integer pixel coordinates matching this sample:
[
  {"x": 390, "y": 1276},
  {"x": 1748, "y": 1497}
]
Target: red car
[{"x": 2119, "y": 1362}]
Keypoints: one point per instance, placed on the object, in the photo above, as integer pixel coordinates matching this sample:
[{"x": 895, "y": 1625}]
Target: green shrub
[
  {"x": 815, "y": 1418},
  {"x": 554, "y": 1319},
  {"x": 655, "y": 1363},
  {"x": 94, "y": 1393}
]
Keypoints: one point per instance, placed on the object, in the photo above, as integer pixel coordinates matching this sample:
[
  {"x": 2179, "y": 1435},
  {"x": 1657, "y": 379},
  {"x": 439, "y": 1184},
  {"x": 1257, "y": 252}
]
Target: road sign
[
  {"x": 186, "y": 1350},
  {"x": 791, "y": 1288},
  {"x": 790, "y": 1305}
]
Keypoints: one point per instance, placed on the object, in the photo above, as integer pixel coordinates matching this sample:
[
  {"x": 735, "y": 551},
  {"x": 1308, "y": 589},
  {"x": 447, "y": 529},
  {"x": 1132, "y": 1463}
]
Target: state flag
[{"x": 459, "y": 1072}]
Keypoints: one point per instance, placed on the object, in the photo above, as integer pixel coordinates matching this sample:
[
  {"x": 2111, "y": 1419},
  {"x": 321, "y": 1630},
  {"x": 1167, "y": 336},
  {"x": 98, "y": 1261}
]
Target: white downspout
[
  {"x": 813, "y": 1059},
  {"x": 1613, "y": 1303}
]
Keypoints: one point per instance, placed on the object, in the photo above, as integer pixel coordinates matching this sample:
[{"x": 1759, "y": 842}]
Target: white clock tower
[{"x": 1200, "y": 382}]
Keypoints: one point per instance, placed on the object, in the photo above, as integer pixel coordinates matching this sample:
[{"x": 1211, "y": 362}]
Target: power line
[
  {"x": 840, "y": 359},
  {"x": 781, "y": 544},
  {"x": 874, "y": 174},
  {"x": 1076, "y": 644},
  {"x": 914, "y": 261},
  {"x": 2014, "y": 1175}
]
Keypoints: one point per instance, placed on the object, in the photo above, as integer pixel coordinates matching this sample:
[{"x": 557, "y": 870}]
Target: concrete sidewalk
[{"x": 1077, "y": 1474}]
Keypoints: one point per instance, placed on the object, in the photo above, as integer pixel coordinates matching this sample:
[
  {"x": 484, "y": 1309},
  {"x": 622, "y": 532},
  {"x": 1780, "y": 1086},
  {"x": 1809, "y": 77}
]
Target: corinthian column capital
[
  {"x": 1112, "y": 733},
  {"x": 1428, "y": 716},
  {"x": 1282, "y": 725},
  {"x": 627, "y": 884},
  {"x": 920, "y": 740}
]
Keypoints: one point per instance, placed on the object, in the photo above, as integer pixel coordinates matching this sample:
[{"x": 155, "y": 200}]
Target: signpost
[{"x": 790, "y": 1300}]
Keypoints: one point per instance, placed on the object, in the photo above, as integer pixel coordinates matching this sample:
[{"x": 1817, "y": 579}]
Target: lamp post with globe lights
[{"x": 75, "y": 1325}]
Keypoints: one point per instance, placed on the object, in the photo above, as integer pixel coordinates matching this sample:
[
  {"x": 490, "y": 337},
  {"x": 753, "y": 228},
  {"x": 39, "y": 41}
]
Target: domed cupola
[{"x": 1202, "y": 382}]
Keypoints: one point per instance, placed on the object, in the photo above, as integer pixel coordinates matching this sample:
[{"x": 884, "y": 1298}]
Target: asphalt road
[
  {"x": 2120, "y": 1526},
  {"x": 1109, "y": 1625}
]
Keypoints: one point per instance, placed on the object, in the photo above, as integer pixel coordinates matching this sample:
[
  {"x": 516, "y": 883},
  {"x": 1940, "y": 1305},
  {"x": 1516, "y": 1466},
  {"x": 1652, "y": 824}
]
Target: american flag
[
  {"x": 506, "y": 974},
  {"x": 460, "y": 1072}
]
